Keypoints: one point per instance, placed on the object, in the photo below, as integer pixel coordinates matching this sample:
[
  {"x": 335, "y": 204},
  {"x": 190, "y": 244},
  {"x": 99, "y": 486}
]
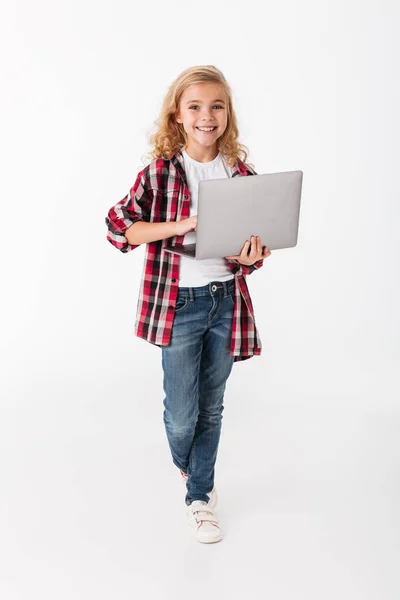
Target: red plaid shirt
[{"x": 161, "y": 193}]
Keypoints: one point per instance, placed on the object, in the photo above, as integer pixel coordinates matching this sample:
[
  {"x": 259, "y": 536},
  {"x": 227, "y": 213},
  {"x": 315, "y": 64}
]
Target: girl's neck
[{"x": 202, "y": 153}]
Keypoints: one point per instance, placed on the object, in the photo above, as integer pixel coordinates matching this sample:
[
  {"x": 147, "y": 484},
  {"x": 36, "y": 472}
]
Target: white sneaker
[
  {"x": 213, "y": 498},
  {"x": 212, "y": 495},
  {"x": 204, "y": 522}
]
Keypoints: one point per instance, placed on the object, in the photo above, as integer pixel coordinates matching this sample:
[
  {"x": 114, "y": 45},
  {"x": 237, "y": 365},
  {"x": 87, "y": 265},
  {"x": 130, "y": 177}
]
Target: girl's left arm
[{"x": 238, "y": 269}]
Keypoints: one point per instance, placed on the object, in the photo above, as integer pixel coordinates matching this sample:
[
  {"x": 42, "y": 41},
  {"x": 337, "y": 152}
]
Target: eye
[{"x": 193, "y": 105}]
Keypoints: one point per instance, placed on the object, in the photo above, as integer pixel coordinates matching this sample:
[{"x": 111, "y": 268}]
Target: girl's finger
[{"x": 245, "y": 248}]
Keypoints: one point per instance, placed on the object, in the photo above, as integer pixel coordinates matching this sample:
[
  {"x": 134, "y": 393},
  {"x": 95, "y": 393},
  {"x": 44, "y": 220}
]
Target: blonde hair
[{"x": 170, "y": 135}]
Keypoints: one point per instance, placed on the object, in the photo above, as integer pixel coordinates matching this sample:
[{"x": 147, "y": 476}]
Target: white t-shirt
[{"x": 196, "y": 273}]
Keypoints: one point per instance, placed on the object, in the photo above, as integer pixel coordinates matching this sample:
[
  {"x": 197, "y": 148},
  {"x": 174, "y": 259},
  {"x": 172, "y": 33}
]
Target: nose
[{"x": 207, "y": 115}]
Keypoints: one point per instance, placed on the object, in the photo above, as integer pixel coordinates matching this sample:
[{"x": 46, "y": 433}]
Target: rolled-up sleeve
[
  {"x": 238, "y": 269},
  {"x": 135, "y": 206}
]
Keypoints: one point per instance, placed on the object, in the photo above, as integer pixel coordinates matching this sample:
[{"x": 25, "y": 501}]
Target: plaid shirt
[{"x": 161, "y": 193}]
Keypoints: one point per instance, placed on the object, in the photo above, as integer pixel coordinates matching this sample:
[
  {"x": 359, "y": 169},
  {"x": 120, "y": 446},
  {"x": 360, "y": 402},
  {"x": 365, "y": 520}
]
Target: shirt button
[
  {"x": 173, "y": 281},
  {"x": 186, "y": 196},
  {"x": 171, "y": 307}
]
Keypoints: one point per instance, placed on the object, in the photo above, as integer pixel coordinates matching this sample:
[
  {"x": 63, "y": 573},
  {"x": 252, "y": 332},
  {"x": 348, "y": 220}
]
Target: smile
[{"x": 206, "y": 129}]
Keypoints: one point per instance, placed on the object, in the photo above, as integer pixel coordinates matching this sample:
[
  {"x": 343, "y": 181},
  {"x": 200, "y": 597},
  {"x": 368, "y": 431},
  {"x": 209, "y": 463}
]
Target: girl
[{"x": 199, "y": 312}]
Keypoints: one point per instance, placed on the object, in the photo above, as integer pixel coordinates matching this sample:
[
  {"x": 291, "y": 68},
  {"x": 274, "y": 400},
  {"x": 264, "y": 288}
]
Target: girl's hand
[
  {"x": 185, "y": 225},
  {"x": 252, "y": 251}
]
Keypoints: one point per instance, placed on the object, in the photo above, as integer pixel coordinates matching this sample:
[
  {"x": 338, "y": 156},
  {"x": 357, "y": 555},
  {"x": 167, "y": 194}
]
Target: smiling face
[{"x": 203, "y": 105}]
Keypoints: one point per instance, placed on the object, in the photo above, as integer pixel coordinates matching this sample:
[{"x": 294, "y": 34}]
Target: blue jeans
[{"x": 196, "y": 366}]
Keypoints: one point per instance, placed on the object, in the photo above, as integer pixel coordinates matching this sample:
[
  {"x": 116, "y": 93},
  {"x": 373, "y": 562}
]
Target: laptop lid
[{"x": 230, "y": 210}]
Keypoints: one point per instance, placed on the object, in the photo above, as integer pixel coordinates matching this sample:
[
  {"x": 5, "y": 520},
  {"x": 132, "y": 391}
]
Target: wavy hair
[{"x": 170, "y": 136}]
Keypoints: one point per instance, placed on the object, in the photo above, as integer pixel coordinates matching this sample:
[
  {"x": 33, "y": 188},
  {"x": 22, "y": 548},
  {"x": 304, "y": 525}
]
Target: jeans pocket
[
  {"x": 231, "y": 296},
  {"x": 181, "y": 303}
]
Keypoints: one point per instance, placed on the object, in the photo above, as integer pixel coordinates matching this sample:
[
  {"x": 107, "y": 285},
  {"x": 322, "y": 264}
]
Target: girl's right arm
[
  {"x": 143, "y": 233},
  {"x": 128, "y": 221},
  {"x": 134, "y": 207}
]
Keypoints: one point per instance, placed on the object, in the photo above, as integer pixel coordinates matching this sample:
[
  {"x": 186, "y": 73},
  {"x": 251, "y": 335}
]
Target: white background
[{"x": 91, "y": 505}]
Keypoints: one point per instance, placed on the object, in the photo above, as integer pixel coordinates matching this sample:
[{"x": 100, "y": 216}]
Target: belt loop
[
  {"x": 225, "y": 289},
  {"x": 191, "y": 294}
]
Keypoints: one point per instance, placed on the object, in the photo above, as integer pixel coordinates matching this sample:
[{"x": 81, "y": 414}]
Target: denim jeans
[{"x": 196, "y": 366}]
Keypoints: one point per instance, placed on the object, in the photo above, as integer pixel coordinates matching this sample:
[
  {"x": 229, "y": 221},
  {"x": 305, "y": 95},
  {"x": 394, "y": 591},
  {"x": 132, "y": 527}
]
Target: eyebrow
[{"x": 216, "y": 100}]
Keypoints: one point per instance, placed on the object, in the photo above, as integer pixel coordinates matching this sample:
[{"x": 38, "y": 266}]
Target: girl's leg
[
  {"x": 181, "y": 364},
  {"x": 215, "y": 367},
  {"x": 196, "y": 365}
]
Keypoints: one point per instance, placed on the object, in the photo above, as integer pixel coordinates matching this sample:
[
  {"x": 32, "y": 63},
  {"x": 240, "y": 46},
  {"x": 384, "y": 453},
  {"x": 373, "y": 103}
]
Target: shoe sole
[{"x": 214, "y": 540}]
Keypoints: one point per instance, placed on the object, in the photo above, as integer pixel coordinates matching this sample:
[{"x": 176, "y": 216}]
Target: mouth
[{"x": 208, "y": 130}]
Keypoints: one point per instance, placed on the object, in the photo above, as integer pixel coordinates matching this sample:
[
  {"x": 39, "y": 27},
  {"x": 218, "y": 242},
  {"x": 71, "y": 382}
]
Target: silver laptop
[{"x": 231, "y": 210}]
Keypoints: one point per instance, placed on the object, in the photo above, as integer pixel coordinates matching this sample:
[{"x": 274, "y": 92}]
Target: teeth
[{"x": 206, "y": 128}]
